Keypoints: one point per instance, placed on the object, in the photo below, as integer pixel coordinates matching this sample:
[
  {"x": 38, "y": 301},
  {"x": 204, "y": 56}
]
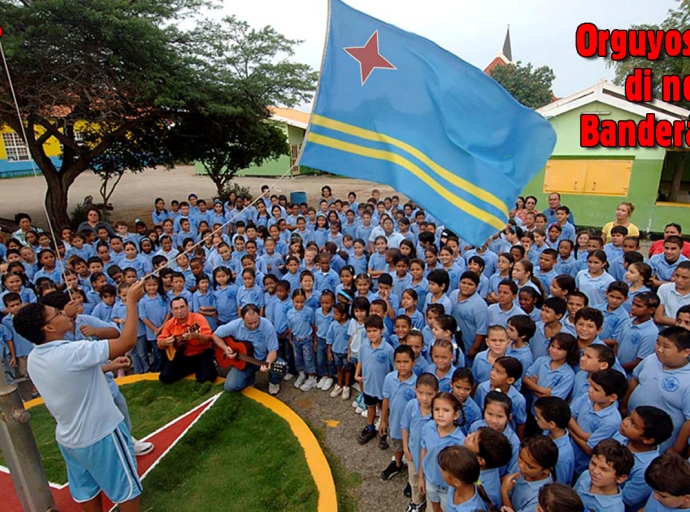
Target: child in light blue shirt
[
  {"x": 642, "y": 432},
  {"x": 612, "y": 462},
  {"x": 552, "y": 415},
  {"x": 669, "y": 478},
  {"x": 595, "y": 415}
]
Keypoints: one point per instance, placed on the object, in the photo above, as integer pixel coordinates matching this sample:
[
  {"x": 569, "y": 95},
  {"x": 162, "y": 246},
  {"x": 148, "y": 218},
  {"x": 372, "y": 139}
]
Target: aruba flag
[{"x": 395, "y": 108}]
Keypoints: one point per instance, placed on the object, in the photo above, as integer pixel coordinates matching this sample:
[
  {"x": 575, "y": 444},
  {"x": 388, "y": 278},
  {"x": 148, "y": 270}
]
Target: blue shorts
[
  {"x": 437, "y": 493},
  {"x": 108, "y": 465},
  {"x": 341, "y": 361}
]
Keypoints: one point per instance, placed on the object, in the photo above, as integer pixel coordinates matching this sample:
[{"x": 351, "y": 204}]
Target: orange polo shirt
[{"x": 174, "y": 327}]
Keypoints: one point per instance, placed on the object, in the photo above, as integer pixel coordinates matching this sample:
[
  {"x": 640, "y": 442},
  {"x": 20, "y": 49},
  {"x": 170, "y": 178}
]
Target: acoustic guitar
[
  {"x": 180, "y": 343},
  {"x": 245, "y": 352}
]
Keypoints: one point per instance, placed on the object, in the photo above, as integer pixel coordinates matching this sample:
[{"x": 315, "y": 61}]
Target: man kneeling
[{"x": 192, "y": 334}]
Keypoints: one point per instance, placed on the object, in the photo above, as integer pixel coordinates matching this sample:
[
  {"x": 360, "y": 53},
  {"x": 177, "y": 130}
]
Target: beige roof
[{"x": 291, "y": 116}]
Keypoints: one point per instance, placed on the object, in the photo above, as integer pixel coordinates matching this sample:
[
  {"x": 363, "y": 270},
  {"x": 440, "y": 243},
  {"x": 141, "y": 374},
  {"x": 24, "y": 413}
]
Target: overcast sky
[{"x": 542, "y": 31}]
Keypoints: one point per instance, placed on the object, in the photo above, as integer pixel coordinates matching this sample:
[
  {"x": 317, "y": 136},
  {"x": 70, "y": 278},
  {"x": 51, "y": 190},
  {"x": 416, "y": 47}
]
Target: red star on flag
[{"x": 369, "y": 57}]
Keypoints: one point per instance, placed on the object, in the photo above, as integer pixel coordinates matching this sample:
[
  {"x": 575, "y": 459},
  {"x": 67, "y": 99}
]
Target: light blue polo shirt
[
  {"x": 474, "y": 503},
  {"x": 567, "y": 266},
  {"x": 472, "y": 316},
  {"x": 326, "y": 281},
  {"x": 22, "y": 346},
  {"x": 337, "y": 337},
  {"x": 322, "y": 322},
  {"x": 600, "y": 424},
  {"x": 253, "y": 295},
  {"x": 668, "y": 390},
  {"x": 69, "y": 377},
  {"x": 491, "y": 482},
  {"x": 560, "y": 380},
  {"x": 636, "y": 492},
  {"x": 496, "y": 316},
  {"x": 481, "y": 367},
  {"x": 654, "y": 506},
  {"x": 525, "y": 495},
  {"x": 597, "y": 502},
  {"x": 376, "y": 364},
  {"x": 400, "y": 284},
  {"x": 472, "y": 413},
  {"x": 662, "y": 268},
  {"x": 524, "y": 355},
  {"x": 594, "y": 287},
  {"x": 519, "y": 404},
  {"x": 413, "y": 421},
  {"x": 301, "y": 323},
  {"x": 565, "y": 467},
  {"x": 263, "y": 338},
  {"x": 359, "y": 264},
  {"x": 671, "y": 299},
  {"x": 546, "y": 278},
  {"x": 444, "y": 301},
  {"x": 636, "y": 340},
  {"x": 444, "y": 383},
  {"x": 612, "y": 319},
  {"x": 433, "y": 443},
  {"x": 398, "y": 393},
  {"x": 226, "y": 303},
  {"x": 539, "y": 342}
]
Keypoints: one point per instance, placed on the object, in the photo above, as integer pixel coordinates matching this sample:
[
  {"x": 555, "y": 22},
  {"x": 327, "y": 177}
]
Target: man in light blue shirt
[{"x": 261, "y": 334}]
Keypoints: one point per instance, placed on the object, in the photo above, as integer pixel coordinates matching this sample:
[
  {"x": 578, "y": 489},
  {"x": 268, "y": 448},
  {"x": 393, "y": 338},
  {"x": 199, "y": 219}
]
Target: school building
[
  {"x": 14, "y": 154},
  {"x": 593, "y": 181}
]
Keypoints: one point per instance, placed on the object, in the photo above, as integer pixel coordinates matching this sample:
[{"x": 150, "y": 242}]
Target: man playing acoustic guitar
[
  {"x": 258, "y": 331},
  {"x": 186, "y": 338}
]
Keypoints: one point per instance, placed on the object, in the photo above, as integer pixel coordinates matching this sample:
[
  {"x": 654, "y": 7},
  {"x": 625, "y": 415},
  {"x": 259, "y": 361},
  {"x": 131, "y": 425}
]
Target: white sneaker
[
  {"x": 355, "y": 404},
  {"x": 377, "y": 423},
  {"x": 309, "y": 384},
  {"x": 336, "y": 391},
  {"x": 357, "y": 386},
  {"x": 346, "y": 393},
  {"x": 359, "y": 410},
  {"x": 288, "y": 377},
  {"x": 327, "y": 383},
  {"x": 273, "y": 389},
  {"x": 320, "y": 382},
  {"x": 364, "y": 413},
  {"x": 142, "y": 448},
  {"x": 300, "y": 380}
]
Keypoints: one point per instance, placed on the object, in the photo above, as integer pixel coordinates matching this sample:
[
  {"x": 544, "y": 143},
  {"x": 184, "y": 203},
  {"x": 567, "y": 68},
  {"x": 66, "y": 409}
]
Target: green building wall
[{"x": 644, "y": 180}]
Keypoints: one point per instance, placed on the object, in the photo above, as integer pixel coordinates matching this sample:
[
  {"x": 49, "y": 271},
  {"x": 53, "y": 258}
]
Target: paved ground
[
  {"x": 134, "y": 196},
  {"x": 340, "y": 425}
]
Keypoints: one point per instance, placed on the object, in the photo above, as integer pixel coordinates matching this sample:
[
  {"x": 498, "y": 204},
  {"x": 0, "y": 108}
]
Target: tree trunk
[
  {"x": 678, "y": 171},
  {"x": 56, "y": 202}
]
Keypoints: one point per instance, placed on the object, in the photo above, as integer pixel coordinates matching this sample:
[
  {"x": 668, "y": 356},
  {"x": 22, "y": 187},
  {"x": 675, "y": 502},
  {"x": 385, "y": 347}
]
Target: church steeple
[{"x": 507, "y": 52}]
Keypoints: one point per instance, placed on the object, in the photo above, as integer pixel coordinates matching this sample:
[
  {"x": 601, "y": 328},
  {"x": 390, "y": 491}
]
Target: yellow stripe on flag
[
  {"x": 459, "y": 182},
  {"x": 394, "y": 158}
]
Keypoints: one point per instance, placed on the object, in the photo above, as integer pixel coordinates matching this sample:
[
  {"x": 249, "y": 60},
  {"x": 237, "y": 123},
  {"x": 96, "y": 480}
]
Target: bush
[
  {"x": 238, "y": 189},
  {"x": 78, "y": 215}
]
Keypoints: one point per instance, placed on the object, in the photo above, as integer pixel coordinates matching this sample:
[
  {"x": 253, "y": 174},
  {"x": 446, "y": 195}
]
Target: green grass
[
  {"x": 151, "y": 405},
  {"x": 239, "y": 456}
]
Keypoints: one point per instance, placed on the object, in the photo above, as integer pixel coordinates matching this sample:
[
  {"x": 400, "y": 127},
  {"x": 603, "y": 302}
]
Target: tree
[
  {"x": 253, "y": 67},
  {"x": 677, "y": 19},
  {"x": 531, "y": 87},
  {"x": 123, "y": 72}
]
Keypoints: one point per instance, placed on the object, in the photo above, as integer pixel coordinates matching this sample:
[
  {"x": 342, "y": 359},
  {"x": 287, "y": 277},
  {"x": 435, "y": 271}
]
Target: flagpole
[{"x": 318, "y": 83}]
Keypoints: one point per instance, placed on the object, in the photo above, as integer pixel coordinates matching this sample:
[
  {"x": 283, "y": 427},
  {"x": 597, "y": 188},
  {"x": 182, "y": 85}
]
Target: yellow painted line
[
  {"x": 394, "y": 158},
  {"x": 316, "y": 460},
  {"x": 449, "y": 176}
]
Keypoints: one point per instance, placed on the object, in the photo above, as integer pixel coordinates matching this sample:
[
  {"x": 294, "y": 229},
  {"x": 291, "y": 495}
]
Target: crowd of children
[{"x": 545, "y": 370}]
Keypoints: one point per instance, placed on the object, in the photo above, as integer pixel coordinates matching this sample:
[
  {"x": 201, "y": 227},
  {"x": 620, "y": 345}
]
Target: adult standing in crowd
[
  {"x": 554, "y": 204},
  {"x": 93, "y": 222},
  {"x": 623, "y": 213}
]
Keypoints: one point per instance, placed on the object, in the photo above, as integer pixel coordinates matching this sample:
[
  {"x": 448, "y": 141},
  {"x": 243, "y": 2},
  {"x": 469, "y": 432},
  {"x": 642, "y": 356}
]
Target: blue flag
[{"x": 395, "y": 108}]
